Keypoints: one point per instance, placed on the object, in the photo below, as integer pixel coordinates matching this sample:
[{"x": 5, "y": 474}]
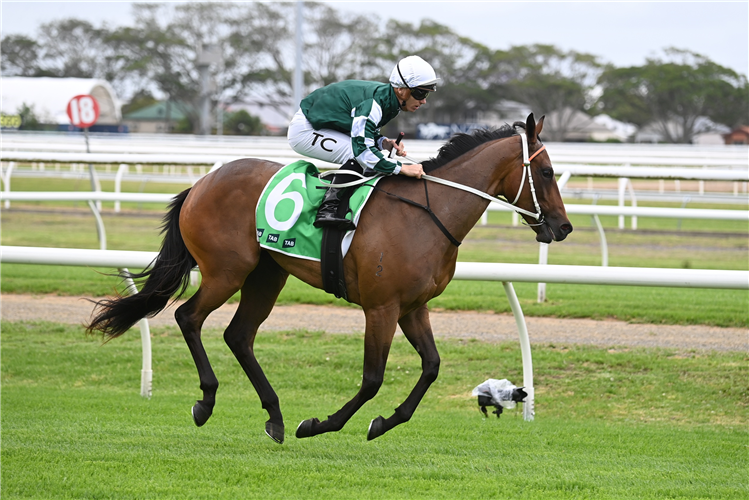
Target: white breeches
[{"x": 325, "y": 144}]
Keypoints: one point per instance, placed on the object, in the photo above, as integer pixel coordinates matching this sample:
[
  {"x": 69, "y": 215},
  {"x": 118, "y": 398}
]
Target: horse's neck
[{"x": 481, "y": 168}]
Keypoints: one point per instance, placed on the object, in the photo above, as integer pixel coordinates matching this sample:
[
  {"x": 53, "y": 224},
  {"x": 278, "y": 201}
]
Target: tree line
[{"x": 155, "y": 58}]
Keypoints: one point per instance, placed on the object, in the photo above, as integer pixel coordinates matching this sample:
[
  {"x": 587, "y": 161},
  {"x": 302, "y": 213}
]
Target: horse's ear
[
  {"x": 530, "y": 128},
  {"x": 540, "y": 126}
]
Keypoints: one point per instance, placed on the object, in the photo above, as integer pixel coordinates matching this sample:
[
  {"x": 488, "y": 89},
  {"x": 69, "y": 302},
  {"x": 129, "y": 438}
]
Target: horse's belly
[{"x": 308, "y": 271}]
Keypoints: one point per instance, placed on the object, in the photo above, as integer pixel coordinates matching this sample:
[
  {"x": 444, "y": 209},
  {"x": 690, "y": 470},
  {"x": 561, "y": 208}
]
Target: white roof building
[{"x": 49, "y": 97}]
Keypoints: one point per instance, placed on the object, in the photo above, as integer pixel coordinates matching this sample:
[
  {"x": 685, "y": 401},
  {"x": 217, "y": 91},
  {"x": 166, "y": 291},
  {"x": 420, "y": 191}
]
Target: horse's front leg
[
  {"x": 418, "y": 331},
  {"x": 378, "y": 337}
]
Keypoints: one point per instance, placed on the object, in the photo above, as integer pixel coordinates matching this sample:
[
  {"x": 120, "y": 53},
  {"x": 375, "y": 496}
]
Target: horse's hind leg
[
  {"x": 378, "y": 337},
  {"x": 259, "y": 294},
  {"x": 418, "y": 331},
  {"x": 190, "y": 317}
]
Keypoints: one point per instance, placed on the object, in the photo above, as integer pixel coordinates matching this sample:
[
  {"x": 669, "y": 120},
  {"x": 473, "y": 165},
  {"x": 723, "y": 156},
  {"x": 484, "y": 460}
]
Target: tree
[
  {"x": 29, "y": 120},
  {"x": 337, "y": 45},
  {"x": 72, "y": 48},
  {"x": 335, "y": 49},
  {"x": 141, "y": 99},
  {"x": 675, "y": 95},
  {"x": 19, "y": 56},
  {"x": 549, "y": 80},
  {"x": 457, "y": 60}
]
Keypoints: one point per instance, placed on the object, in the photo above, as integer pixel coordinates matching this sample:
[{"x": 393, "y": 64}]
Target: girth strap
[{"x": 428, "y": 210}]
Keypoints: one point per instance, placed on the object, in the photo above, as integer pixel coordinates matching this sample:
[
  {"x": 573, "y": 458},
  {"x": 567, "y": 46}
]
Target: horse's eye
[{"x": 547, "y": 172}]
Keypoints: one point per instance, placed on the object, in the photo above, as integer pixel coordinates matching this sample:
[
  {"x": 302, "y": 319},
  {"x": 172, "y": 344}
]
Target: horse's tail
[{"x": 168, "y": 274}]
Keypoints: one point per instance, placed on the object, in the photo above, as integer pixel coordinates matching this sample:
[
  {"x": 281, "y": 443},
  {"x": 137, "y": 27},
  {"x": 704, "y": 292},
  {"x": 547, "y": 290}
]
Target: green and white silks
[{"x": 288, "y": 206}]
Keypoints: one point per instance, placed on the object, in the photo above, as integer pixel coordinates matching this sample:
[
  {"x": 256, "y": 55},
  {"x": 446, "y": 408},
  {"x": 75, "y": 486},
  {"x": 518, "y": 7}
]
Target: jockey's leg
[
  {"x": 327, "y": 214},
  {"x": 330, "y": 146}
]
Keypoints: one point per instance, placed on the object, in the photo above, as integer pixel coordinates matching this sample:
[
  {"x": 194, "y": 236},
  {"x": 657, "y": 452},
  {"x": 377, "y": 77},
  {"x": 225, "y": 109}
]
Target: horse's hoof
[
  {"x": 305, "y": 428},
  {"x": 274, "y": 431},
  {"x": 376, "y": 428},
  {"x": 201, "y": 412}
]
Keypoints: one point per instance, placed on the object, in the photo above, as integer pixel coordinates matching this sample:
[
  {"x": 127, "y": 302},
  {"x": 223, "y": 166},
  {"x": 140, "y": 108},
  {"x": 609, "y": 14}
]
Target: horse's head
[{"x": 538, "y": 188}]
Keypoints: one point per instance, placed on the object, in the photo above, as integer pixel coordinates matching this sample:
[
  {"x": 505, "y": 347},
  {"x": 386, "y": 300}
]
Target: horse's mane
[{"x": 460, "y": 144}]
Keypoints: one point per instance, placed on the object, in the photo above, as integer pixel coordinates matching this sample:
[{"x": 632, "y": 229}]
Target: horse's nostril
[{"x": 567, "y": 228}]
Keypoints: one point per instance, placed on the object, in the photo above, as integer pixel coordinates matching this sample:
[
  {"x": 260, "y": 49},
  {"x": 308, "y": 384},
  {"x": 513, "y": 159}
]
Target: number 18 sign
[{"x": 83, "y": 111}]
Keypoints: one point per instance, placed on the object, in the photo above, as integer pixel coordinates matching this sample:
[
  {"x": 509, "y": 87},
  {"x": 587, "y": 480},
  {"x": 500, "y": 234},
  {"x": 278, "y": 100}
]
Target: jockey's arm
[{"x": 365, "y": 137}]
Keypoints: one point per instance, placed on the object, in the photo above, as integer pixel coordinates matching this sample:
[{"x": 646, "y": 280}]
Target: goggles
[{"x": 420, "y": 93}]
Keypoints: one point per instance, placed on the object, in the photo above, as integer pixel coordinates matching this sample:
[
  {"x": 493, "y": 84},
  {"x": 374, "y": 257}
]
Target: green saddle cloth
[{"x": 288, "y": 206}]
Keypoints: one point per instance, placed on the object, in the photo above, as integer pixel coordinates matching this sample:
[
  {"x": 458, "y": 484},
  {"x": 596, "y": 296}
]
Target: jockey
[{"x": 340, "y": 123}]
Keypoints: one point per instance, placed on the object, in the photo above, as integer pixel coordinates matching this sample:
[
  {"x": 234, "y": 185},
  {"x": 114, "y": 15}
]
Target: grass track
[{"x": 611, "y": 423}]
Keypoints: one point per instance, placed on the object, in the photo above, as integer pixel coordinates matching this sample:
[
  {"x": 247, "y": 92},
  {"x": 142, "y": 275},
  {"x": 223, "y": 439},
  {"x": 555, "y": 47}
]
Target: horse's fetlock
[
  {"x": 334, "y": 424},
  {"x": 209, "y": 391},
  {"x": 271, "y": 404},
  {"x": 402, "y": 414}
]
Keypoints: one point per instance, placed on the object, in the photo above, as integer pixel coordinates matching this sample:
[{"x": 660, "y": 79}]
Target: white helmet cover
[{"x": 412, "y": 72}]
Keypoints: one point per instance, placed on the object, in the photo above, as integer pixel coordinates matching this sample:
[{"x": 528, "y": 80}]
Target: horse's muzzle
[{"x": 551, "y": 232}]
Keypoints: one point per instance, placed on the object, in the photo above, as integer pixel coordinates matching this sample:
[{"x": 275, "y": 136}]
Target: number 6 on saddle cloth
[{"x": 288, "y": 206}]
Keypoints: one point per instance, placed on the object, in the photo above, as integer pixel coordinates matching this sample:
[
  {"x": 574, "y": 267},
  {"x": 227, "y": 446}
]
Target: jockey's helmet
[{"x": 413, "y": 72}]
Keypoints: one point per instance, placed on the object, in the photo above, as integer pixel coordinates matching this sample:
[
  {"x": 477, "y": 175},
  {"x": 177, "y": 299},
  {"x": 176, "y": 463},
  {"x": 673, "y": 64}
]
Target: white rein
[{"x": 526, "y": 168}]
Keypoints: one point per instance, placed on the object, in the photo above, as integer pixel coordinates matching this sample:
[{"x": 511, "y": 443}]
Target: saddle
[{"x": 286, "y": 213}]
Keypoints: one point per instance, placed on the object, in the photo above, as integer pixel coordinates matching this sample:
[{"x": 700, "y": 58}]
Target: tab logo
[
  {"x": 272, "y": 238},
  {"x": 260, "y": 233},
  {"x": 291, "y": 242}
]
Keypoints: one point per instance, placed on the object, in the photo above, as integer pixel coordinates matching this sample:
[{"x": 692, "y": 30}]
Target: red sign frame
[{"x": 83, "y": 110}]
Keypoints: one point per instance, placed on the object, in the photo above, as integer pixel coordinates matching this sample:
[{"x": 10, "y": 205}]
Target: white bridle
[
  {"x": 511, "y": 205},
  {"x": 526, "y": 168}
]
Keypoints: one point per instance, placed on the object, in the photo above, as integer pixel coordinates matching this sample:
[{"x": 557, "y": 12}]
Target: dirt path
[{"x": 486, "y": 327}]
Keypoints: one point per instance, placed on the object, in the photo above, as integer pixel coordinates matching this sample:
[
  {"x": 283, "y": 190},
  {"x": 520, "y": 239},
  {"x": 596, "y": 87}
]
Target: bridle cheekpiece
[{"x": 527, "y": 168}]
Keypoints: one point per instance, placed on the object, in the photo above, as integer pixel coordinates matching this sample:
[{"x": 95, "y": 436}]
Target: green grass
[{"x": 610, "y": 423}]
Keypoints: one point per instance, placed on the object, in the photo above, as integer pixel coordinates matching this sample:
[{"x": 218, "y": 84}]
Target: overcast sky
[{"x": 624, "y": 33}]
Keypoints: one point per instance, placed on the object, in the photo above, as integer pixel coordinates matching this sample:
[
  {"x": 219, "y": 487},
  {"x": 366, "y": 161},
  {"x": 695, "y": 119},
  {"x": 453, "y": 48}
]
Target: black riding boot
[{"x": 327, "y": 214}]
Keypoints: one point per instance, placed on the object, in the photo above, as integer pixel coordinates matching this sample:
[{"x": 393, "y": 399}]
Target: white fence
[
  {"x": 589, "y": 153},
  {"x": 717, "y": 170},
  {"x": 592, "y": 210},
  {"x": 506, "y": 273}
]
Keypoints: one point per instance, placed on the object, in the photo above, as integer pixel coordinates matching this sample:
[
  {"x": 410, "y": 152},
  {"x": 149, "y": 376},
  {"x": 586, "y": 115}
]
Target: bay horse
[{"x": 398, "y": 260}]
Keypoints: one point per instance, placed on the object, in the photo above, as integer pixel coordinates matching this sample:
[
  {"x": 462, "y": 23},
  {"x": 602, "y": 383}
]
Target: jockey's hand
[
  {"x": 412, "y": 170},
  {"x": 389, "y": 144}
]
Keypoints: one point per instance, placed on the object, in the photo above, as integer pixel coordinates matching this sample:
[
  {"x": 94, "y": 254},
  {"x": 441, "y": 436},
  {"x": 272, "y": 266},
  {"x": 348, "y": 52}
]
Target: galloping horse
[{"x": 398, "y": 260}]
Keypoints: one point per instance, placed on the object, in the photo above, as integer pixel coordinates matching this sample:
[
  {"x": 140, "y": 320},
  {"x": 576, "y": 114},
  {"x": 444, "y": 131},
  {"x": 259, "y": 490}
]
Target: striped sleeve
[{"x": 364, "y": 137}]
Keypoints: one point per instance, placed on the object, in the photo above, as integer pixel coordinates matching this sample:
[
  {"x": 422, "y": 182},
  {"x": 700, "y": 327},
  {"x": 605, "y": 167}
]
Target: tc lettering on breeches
[{"x": 325, "y": 144}]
